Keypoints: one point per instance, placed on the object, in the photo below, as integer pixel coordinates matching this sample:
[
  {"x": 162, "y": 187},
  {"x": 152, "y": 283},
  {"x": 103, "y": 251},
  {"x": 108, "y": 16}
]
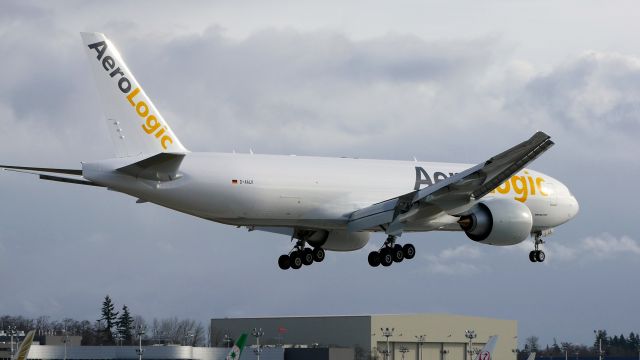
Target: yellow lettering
[
  {"x": 532, "y": 187},
  {"x": 165, "y": 139},
  {"x": 132, "y": 95},
  {"x": 520, "y": 189},
  {"x": 142, "y": 105},
  {"x": 539, "y": 182},
  {"x": 152, "y": 124},
  {"x": 504, "y": 188},
  {"x": 160, "y": 132}
]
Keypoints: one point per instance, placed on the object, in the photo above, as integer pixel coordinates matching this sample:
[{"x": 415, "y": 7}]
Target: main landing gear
[
  {"x": 300, "y": 255},
  {"x": 537, "y": 255},
  {"x": 391, "y": 252}
]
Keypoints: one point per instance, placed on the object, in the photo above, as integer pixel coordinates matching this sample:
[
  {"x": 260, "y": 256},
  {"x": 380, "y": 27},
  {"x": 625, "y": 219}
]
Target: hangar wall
[{"x": 444, "y": 340}]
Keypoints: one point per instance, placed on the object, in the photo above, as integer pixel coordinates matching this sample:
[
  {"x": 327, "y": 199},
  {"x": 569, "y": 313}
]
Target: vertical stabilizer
[
  {"x": 25, "y": 345},
  {"x": 135, "y": 125},
  {"x": 236, "y": 351},
  {"x": 487, "y": 351}
]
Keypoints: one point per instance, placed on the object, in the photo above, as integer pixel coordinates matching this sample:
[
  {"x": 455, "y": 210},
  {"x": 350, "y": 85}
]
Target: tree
[
  {"x": 124, "y": 325},
  {"x": 531, "y": 343},
  {"x": 555, "y": 347},
  {"x": 601, "y": 335},
  {"x": 109, "y": 316}
]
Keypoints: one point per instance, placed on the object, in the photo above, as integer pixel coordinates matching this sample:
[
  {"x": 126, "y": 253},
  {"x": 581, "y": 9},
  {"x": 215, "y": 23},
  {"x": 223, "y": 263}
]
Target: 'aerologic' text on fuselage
[{"x": 521, "y": 186}]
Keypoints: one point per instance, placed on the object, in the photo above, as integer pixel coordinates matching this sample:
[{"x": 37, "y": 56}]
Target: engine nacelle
[
  {"x": 497, "y": 222},
  {"x": 339, "y": 240}
]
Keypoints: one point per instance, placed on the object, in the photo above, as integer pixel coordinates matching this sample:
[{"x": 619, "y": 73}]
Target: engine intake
[{"x": 497, "y": 222}]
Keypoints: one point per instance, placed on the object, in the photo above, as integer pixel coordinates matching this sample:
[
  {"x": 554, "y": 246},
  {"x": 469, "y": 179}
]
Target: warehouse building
[{"x": 410, "y": 337}]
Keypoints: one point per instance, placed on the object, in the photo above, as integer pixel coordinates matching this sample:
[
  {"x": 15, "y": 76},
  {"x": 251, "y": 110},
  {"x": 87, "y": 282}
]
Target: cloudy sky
[{"x": 441, "y": 81}]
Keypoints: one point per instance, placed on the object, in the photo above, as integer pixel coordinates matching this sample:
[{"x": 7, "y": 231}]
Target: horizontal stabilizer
[
  {"x": 161, "y": 167},
  {"x": 47, "y": 170},
  {"x": 72, "y": 176},
  {"x": 68, "y": 180}
]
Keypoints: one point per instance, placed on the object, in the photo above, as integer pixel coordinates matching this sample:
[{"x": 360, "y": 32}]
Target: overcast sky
[{"x": 442, "y": 81}]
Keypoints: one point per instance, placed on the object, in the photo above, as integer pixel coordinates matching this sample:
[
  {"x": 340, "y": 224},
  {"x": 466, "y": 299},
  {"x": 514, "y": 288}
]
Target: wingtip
[{"x": 540, "y": 133}]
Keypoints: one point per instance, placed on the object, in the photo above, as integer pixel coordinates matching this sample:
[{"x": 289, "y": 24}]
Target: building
[
  {"x": 443, "y": 335},
  {"x": 171, "y": 352}
]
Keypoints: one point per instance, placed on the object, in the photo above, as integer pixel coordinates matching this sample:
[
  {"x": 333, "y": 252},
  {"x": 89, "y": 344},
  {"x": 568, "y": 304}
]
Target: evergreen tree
[
  {"x": 556, "y": 349},
  {"x": 125, "y": 325},
  {"x": 634, "y": 342},
  {"x": 601, "y": 334},
  {"x": 109, "y": 316}
]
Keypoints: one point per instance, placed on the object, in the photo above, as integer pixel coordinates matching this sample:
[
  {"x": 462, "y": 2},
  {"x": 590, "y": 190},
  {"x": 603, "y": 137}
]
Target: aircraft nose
[{"x": 573, "y": 206}]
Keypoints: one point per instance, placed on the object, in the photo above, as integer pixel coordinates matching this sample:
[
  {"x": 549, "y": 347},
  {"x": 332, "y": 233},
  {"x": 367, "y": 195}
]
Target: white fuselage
[{"x": 315, "y": 192}]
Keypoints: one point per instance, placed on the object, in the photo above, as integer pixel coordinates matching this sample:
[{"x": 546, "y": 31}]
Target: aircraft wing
[{"x": 455, "y": 192}]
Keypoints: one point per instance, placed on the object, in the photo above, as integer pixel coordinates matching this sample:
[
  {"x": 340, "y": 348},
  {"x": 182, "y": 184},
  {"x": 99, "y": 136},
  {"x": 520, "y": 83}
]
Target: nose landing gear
[
  {"x": 537, "y": 255},
  {"x": 391, "y": 252}
]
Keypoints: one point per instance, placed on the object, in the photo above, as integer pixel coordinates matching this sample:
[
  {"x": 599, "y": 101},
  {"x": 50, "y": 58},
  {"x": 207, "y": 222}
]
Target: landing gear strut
[
  {"x": 300, "y": 255},
  {"x": 391, "y": 252},
  {"x": 537, "y": 255}
]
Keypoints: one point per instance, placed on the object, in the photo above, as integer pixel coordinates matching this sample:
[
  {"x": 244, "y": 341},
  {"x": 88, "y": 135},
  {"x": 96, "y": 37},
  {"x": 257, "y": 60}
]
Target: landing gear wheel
[
  {"x": 284, "y": 262},
  {"x": 409, "y": 251},
  {"x": 307, "y": 256},
  {"x": 296, "y": 260},
  {"x": 537, "y": 255},
  {"x": 386, "y": 258},
  {"x": 397, "y": 253},
  {"x": 374, "y": 258},
  {"x": 318, "y": 254}
]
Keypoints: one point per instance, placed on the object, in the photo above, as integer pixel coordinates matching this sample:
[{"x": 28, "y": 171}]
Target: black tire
[
  {"x": 307, "y": 257},
  {"x": 374, "y": 258},
  {"x": 540, "y": 256},
  {"x": 284, "y": 261},
  {"x": 397, "y": 253},
  {"x": 386, "y": 257},
  {"x": 296, "y": 260},
  {"x": 532, "y": 256},
  {"x": 318, "y": 254},
  {"x": 409, "y": 251}
]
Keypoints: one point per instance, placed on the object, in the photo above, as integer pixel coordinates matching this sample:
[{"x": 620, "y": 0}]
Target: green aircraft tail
[{"x": 236, "y": 351}]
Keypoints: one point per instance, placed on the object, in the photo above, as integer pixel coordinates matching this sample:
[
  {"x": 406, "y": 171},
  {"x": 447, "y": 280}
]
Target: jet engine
[
  {"x": 339, "y": 240},
  {"x": 497, "y": 222}
]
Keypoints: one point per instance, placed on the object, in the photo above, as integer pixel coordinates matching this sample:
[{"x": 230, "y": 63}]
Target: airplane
[
  {"x": 236, "y": 351},
  {"x": 487, "y": 351},
  {"x": 321, "y": 203},
  {"x": 23, "y": 350}
]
